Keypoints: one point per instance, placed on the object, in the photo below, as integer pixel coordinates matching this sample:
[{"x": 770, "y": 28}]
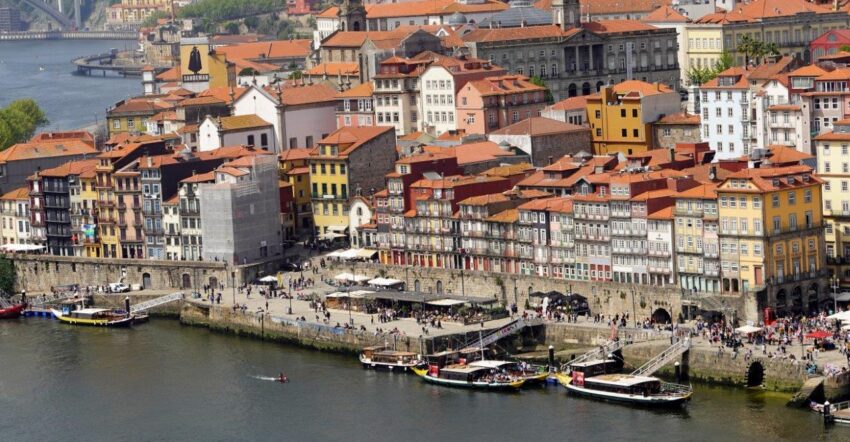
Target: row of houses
[{"x": 665, "y": 218}]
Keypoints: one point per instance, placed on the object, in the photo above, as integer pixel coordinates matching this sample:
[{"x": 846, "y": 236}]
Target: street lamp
[
  {"x": 289, "y": 312},
  {"x": 233, "y": 285},
  {"x": 835, "y": 285},
  {"x": 350, "y": 318},
  {"x": 634, "y": 310},
  {"x": 462, "y": 265}
]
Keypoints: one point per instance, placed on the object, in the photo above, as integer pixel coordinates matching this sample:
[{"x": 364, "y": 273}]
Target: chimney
[
  {"x": 672, "y": 154},
  {"x": 551, "y": 159}
]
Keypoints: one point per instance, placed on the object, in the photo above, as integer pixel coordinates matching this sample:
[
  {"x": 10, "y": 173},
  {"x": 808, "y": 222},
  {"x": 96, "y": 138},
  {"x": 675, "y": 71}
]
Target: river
[
  {"x": 164, "y": 381},
  {"x": 70, "y": 101}
]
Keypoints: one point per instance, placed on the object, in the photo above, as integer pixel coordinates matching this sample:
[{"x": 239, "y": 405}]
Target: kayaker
[{"x": 282, "y": 378}]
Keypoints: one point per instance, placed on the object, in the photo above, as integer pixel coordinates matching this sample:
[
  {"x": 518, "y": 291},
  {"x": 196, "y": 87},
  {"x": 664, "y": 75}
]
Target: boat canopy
[
  {"x": 491, "y": 364},
  {"x": 385, "y": 282},
  {"x": 463, "y": 369},
  {"x": 621, "y": 380}
]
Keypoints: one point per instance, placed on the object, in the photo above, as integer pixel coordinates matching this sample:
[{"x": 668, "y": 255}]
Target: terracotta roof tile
[
  {"x": 21, "y": 193},
  {"x": 59, "y": 148},
  {"x": 572, "y": 103},
  {"x": 307, "y": 94},
  {"x": 666, "y": 14},
  {"x": 680, "y": 118},
  {"x": 334, "y": 69},
  {"x": 359, "y": 91},
  {"x": 617, "y": 26},
  {"x": 241, "y": 122},
  {"x": 539, "y": 126}
]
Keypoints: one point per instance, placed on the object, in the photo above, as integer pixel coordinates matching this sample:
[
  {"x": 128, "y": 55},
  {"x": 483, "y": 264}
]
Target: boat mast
[{"x": 481, "y": 344}]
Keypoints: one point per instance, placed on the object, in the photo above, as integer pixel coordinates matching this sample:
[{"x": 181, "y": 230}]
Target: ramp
[
  {"x": 41, "y": 302},
  {"x": 507, "y": 330},
  {"x": 598, "y": 353},
  {"x": 665, "y": 357},
  {"x": 156, "y": 302}
]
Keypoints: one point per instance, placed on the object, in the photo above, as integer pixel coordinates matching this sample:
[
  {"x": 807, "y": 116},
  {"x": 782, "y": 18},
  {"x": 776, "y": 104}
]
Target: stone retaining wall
[
  {"x": 707, "y": 366},
  {"x": 271, "y": 328},
  {"x": 608, "y": 298}
]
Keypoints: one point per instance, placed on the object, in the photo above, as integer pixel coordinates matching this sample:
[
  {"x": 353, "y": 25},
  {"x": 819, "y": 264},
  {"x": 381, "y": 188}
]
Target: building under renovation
[{"x": 240, "y": 212}]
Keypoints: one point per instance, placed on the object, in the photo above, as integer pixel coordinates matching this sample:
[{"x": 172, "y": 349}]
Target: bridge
[
  {"x": 69, "y": 35},
  {"x": 56, "y": 13},
  {"x": 106, "y": 63}
]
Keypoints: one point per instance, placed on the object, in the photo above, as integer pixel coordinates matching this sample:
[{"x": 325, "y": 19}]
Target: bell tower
[{"x": 352, "y": 16}]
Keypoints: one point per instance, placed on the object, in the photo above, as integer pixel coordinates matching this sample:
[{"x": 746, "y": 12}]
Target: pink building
[
  {"x": 495, "y": 102},
  {"x": 355, "y": 107}
]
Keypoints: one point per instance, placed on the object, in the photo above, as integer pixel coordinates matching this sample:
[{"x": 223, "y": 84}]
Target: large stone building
[{"x": 577, "y": 58}]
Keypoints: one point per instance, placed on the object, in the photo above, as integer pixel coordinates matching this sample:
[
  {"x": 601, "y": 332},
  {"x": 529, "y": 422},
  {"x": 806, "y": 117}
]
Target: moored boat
[
  {"x": 470, "y": 376},
  {"x": 532, "y": 374},
  {"x": 101, "y": 317},
  {"x": 11, "y": 311},
  {"x": 379, "y": 357},
  {"x": 593, "y": 379}
]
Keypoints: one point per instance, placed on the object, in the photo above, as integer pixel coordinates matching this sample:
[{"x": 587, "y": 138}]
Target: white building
[
  {"x": 171, "y": 226},
  {"x": 359, "y": 214},
  {"x": 301, "y": 115},
  {"x": 249, "y": 130},
  {"x": 437, "y": 97},
  {"x": 725, "y": 113},
  {"x": 659, "y": 232},
  {"x": 782, "y": 119},
  {"x": 15, "y": 211}
]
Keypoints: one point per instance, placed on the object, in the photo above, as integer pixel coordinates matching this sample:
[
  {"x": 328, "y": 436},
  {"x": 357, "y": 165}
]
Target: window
[
  {"x": 775, "y": 201},
  {"x": 264, "y": 140},
  {"x": 792, "y": 198}
]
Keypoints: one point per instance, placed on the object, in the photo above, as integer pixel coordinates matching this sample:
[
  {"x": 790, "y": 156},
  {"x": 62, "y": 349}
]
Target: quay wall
[
  {"x": 608, "y": 298},
  {"x": 707, "y": 366},
  {"x": 38, "y": 273},
  {"x": 309, "y": 335}
]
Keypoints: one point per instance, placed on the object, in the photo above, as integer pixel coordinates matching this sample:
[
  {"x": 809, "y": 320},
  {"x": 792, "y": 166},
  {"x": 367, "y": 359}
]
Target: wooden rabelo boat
[
  {"x": 595, "y": 379},
  {"x": 102, "y": 317},
  {"x": 379, "y": 357},
  {"x": 470, "y": 376},
  {"x": 532, "y": 374}
]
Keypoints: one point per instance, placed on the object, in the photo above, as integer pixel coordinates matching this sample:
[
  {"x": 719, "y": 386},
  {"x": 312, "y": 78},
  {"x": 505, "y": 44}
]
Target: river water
[
  {"x": 70, "y": 101},
  {"x": 164, "y": 381}
]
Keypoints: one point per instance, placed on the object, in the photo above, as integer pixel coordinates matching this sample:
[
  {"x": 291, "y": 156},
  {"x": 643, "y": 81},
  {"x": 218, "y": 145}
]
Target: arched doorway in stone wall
[
  {"x": 146, "y": 281},
  {"x": 797, "y": 299},
  {"x": 417, "y": 287},
  {"x": 813, "y": 295},
  {"x": 214, "y": 283},
  {"x": 661, "y": 316},
  {"x": 186, "y": 281},
  {"x": 440, "y": 287}
]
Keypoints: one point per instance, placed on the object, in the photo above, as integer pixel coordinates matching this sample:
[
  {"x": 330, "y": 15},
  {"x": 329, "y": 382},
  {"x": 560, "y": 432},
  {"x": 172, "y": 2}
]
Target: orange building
[{"x": 495, "y": 102}]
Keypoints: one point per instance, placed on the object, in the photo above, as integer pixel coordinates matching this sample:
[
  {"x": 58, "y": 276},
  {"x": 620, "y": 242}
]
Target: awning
[
  {"x": 366, "y": 253},
  {"x": 21, "y": 247},
  {"x": 842, "y": 316},
  {"x": 268, "y": 279},
  {"x": 843, "y": 297},
  {"x": 357, "y": 294},
  {"x": 445, "y": 302},
  {"x": 361, "y": 278},
  {"x": 747, "y": 329},
  {"x": 337, "y": 229},
  {"x": 385, "y": 282},
  {"x": 344, "y": 277}
]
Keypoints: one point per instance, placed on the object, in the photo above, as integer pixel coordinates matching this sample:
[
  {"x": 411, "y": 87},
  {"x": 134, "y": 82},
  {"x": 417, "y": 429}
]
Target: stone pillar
[
  {"x": 590, "y": 52},
  {"x": 578, "y": 68}
]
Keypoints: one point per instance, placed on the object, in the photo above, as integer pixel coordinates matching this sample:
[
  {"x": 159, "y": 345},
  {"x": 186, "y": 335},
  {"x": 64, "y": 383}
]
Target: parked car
[{"x": 118, "y": 287}]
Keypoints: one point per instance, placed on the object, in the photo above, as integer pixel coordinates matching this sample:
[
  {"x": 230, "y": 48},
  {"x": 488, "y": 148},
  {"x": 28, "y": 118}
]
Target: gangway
[
  {"x": 36, "y": 302},
  {"x": 507, "y": 330},
  {"x": 156, "y": 302},
  {"x": 665, "y": 357},
  {"x": 600, "y": 352}
]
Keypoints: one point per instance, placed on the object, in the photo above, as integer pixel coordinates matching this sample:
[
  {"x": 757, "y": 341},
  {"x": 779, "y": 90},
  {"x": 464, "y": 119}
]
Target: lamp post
[
  {"x": 835, "y": 285},
  {"x": 462, "y": 265},
  {"x": 233, "y": 285},
  {"x": 350, "y": 318},
  {"x": 634, "y": 310},
  {"x": 289, "y": 312}
]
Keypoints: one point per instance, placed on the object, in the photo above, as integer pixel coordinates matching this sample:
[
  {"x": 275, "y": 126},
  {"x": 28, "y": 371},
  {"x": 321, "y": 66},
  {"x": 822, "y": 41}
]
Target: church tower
[
  {"x": 566, "y": 13},
  {"x": 352, "y": 16}
]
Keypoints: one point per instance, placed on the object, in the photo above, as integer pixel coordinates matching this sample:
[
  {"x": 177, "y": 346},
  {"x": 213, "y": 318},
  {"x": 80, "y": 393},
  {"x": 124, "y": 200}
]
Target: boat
[
  {"x": 532, "y": 374},
  {"x": 102, "y": 317},
  {"x": 11, "y": 311},
  {"x": 379, "y": 357},
  {"x": 470, "y": 376},
  {"x": 594, "y": 379}
]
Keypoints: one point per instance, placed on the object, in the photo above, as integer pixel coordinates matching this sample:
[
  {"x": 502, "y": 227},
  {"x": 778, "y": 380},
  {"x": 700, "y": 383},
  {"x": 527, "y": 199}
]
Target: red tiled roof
[
  {"x": 539, "y": 126},
  {"x": 617, "y": 26},
  {"x": 666, "y": 14}
]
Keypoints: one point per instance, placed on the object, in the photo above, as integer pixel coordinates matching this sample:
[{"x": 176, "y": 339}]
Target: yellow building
[
  {"x": 131, "y": 115},
  {"x": 294, "y": 169},
  {"x": 621, "y": 116},
  {"x": 704, "y": 46},
  {"x": 106, "y": 211},
  {"x": 348, "y": 162},
  {"x": 201, "y": 67},
  {"x": 833, "y": 157},
  {"x": 789, "y": 24},
  {"x": 771, "y": 237},
  {"x": 83, "y": 200}
]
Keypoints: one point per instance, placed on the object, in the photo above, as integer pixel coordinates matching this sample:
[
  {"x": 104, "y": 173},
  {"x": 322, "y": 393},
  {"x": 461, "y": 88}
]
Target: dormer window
[{"x": 776, "y": 182}]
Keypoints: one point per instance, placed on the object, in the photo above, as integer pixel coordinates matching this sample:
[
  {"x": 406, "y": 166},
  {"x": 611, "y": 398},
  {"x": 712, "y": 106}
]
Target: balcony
[
  {"x": 662, "y": 270},
  {"x": 56, "y": 204},
  {"x": 593, "y": 236},
  {"x": 152, "y": 211},
  {"x": 590, "y": 216},
  {"x": 686, "y": 212},
  {"x": 189, "y": 212},
  {"x": 712, "y": 272},
  {"x": 662, "y": 253},
  {"x": 154, "y": 231},
  {"x": 107, "y": 203}
]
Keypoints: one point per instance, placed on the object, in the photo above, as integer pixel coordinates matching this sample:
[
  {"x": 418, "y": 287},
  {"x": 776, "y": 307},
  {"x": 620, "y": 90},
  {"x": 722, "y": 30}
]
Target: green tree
[
  {"x": 295, "y": 75},
  {"x": 311, "y": 22},
  {"x": 18, "y": 122},
  {"x": 7, "y": 276},
  {"x": 248, "y": 72},
  {"x": 547, "y": 94},
  {"x": 251, "y": 22},
  {"x": 232, "y": 28},
  {"x": 152, "y": 19},
  {"x": 724, "y": 62}
]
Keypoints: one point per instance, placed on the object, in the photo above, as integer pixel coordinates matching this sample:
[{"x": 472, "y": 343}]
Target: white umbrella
[
  {"x": 845, "y": 327},
  {"x": 747, "y": 329},
  {"x": 843, "y": 316},
  {"x": 344, "y": 277},
  {"x": 361, "y": 278},
  {"x": 269, "y": 278}
]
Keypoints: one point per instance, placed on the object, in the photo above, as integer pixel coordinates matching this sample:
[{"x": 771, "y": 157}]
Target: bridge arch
[
  {"x": 54, "y": 13},
  {"x": 755, "y": 374}
]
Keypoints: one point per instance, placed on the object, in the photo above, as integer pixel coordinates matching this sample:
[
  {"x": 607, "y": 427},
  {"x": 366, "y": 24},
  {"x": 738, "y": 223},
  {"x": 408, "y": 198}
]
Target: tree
[
  {"x": 547, "y": 95},
  {"x": 154, "y": 18},
  {"x": 18, "y": 122},
  {"x": 232, "y": 28},
  {"x": 295, "y": 75},
  {"x": 844, "y": 48},
  {"x": 724, "y": 62},
  {"x": 311, "y": 22},
  {"x": 251, "y": 22},
  {"x": 7, "y": 276},
  {"x": 247, "y": 72}
]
